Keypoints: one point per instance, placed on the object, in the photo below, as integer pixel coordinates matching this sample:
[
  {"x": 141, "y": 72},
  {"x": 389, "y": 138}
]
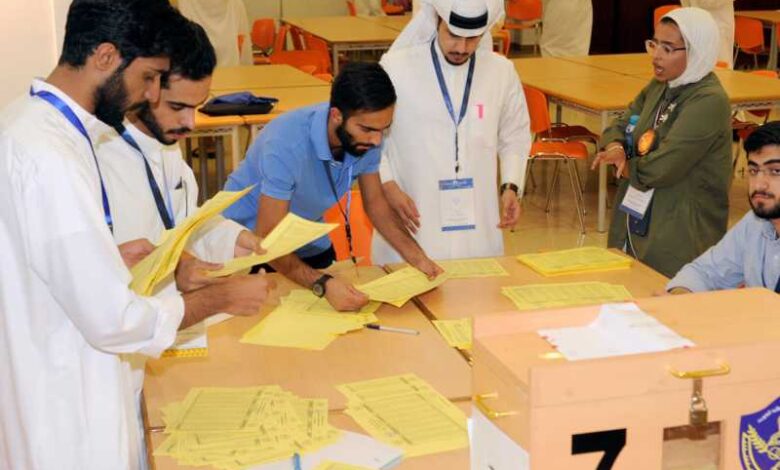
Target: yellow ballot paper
[
  {"x": 574, "y": 261},
  {"x": 290, "y": 234},
  {"x": 406, "y": 412},
  {"x": 536, "y": 296},
  {"x": 163, "y": 260},
  {"x": 458, "y": 333},
  {"x": 468, "y": 268},
  {"x": 400, "y": 286}
]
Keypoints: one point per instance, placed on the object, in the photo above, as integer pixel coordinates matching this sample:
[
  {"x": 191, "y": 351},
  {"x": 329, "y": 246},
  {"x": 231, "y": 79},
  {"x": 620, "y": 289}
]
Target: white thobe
[
  {"x": 419, "y": 150},
  {"x": 722, "y": 12},
  {"x": 566, "y": 28},
  {"x": 66, "y": 312},
  {"x": 224, "y": 21},
  {"x": 369, "y": 8},
  {"x": 135, "y": 213}
]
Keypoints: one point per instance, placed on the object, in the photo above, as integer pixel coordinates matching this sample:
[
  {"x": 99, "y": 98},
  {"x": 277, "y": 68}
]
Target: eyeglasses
[
  {"x": 769, "y": 172},
  {"x": 652, "y": 44}
]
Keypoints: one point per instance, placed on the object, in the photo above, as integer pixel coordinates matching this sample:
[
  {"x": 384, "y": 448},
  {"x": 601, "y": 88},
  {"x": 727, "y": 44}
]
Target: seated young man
[
  {"x": 304, "y": 162},
  {"x": 749, "y": 253}
]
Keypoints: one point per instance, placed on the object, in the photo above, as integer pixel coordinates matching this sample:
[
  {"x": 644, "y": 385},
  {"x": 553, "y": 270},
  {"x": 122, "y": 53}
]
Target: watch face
[{"x": 318, "y": 289}]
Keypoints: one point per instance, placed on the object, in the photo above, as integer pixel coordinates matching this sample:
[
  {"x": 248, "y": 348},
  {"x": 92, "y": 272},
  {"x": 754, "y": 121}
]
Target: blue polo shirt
[{"x": 287, "y": 161}]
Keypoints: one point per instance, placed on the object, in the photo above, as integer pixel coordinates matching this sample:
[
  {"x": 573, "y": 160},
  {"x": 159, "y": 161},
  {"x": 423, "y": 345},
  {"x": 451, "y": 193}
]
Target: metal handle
[
  {"x": 479, "y": 400},
  {"x": 722, "y": 369}
]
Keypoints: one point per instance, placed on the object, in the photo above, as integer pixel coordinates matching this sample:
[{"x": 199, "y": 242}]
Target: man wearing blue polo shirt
[{"x": 306, "y": 160}]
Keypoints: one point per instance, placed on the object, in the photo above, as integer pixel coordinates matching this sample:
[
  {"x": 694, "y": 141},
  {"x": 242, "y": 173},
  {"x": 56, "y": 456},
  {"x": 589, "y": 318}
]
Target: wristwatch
[
  {"x": 511, "y": 186},
  {"x": 319, "y": 285}
]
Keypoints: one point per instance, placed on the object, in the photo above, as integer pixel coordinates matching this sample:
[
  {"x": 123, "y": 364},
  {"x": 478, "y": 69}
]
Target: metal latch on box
[{"x": 697, "y": 412}]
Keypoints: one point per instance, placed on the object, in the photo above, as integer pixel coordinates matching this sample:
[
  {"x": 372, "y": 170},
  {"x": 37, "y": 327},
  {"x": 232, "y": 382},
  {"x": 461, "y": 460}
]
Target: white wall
[{"x": 272, "y": 8}]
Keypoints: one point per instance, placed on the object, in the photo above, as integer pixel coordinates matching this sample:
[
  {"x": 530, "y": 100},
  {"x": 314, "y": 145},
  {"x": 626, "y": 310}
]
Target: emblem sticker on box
[{"x": 759, "y": 435}]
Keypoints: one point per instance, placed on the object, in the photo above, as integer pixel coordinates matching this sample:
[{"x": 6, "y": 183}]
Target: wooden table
[
  {"x": 289, "y": 100},
  {"x": 396, "y": 22},
  {"x": 453, "y": 460},
  {"x": 245, "y": 77},
  {"x": 456, "y": 298},
  {"x": 626, "y": 64},
  {"x": 770, "y": 18},
  {"x": 360, "y": 355}
]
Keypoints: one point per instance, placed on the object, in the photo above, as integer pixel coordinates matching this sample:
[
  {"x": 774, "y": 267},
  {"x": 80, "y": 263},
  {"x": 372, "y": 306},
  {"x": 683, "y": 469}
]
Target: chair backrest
[
  {"x": 280, "y": 42},
  {"x": 297, "y": 38},
  {"x": 302, "y": 59},
  {"x": 263, "y": 32},
  {"x": 362, "y": 230},
  {"x": 524, "y": 10},
  {"x": 748, "y": 33},
  {"x": 351, "y": 8},
  {"x": 392, "y": 9},
  {"x": 313, "y": 43},
  {"x": 538, "y": 111},
  {"x": 659, "y": 12}
]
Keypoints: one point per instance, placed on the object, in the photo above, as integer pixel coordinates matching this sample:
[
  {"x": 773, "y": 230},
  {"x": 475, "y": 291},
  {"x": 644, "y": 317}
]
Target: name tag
[
  {"x": 636, "y": 202},
  {"x": 457, "y": 204}
]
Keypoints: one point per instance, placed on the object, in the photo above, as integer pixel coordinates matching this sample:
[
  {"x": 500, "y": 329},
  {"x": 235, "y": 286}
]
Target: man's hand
[
  {"x": 612, "y": 155},
  {"x": 510, "y": 209},
  {"x": 191, "y": 273},
  {"x": 134, "y": 251},
  {"x": 428, "y": 267},
  {"x": 245, "y": 295},
  {"x": 403, "y": 205},
  {"x": 247, "y": 243},
  {"x": 343, "y": 296}
]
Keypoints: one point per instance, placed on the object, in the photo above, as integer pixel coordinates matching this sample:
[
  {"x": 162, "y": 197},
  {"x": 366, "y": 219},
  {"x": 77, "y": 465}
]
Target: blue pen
[{"x": 296, "y": 461}]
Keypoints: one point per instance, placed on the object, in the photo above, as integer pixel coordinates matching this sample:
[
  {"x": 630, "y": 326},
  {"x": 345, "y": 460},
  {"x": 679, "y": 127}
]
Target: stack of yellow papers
[
  {"x": 575, "y": 261},
  {"x": 457, "y": 333},
  {"x": 406, "y": 412},
  {"x": 467, "y": 268},
  {"x": 290, "y": 234},
  {"x": 535, "y": 296},
  {"x": 234, "y": 428},
  {"x": 306, "y": 321},
  {"x": 161, "y": 263},
  {"x": 399, "y": 287}
]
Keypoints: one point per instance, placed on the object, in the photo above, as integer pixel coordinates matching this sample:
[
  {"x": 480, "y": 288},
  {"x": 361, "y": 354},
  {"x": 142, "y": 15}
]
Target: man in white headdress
[
  {"x": 722, "y": 12},
  {"x": 225, "y": 21},
  {"x": 460, "y": 106},
  {"x": 566, "y": 28}
]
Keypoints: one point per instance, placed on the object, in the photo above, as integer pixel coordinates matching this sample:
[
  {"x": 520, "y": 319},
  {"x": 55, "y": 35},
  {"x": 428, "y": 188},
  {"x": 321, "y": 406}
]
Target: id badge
[
  {"x": 636, "y": 202},
  {"x": 456, "y": 199}
]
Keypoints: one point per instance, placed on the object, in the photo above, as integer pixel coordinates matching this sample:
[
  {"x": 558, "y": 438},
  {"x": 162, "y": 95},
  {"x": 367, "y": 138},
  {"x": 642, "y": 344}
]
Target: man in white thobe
[
  {"x": 566, "y": 28},
  {"x": 66, "y": 312},
  {"x": 446, "y": 191},
  {"x": 722, "y": 12},
  {"x": 224, "y": 21}
]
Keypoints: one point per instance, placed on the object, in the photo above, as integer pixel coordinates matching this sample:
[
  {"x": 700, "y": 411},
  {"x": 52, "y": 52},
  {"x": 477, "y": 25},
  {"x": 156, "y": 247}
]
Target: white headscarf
[
  {"x": 702, "y": 41},
  {"x": 422, "y": 28}
]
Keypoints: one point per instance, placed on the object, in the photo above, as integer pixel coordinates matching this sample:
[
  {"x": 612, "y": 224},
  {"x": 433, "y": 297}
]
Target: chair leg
[
  {"x": 529, "y": 177},
  {"x": 552, "y": 186},
  {"x": 579, "y": 184},
  {"x": 755, "y": 61},
  {"x": 578, "y": 203}
]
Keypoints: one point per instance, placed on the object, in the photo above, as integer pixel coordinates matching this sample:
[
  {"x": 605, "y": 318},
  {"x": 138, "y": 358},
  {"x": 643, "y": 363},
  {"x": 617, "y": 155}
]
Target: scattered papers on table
[
  {"x": 536, "y": 296},
  {"x": 234, "y": 428},
  {"x": 619, "y": 330},
  {"x": 162, "y": 262},
  {"x": 400, "y": 286},
  {"x": 306, "y": 321},
  {"x": 406, "y": 412},
  {"x": 290, "y": 234},
  {"x": 458, "y": 333},
  {"x": 574, "y": 261},
  {"x": 467, "y": 268}
]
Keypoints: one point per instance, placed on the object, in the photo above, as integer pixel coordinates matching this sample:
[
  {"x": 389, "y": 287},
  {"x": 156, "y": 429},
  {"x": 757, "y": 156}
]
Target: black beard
[
  {"x": 768, "y": 213},
  {"x": 145, "y": 115},
  {"x": 111, "y": 99},
  {"x": 348, "y": 142}
]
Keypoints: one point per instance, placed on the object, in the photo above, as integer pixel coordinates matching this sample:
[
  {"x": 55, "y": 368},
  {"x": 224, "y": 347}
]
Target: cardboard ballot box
[{"x": 535, "y": 409}]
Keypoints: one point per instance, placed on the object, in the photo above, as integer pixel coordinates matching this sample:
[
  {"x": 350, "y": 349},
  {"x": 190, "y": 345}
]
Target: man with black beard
[
  {"x": 304, "y": 162},
  {"x": 749, "y": 253}
]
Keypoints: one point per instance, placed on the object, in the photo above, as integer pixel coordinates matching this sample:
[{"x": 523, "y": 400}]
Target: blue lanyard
[
  {"x": 448, "y": 101},
  {"x": 345, "y": 214},
  {"x": 63, "y": 108},
  {"x": 165, "y": 211}
]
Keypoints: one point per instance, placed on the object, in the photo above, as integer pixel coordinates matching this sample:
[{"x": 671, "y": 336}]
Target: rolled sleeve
[
  {"x": 277, "y": 177},
  {"x": 170, "y": 310}
]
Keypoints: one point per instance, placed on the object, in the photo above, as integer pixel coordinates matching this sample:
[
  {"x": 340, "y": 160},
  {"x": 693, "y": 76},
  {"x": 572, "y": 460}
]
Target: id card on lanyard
[
  {"x": 456, "y": 196},
  {"x": 65, "y": 110}
]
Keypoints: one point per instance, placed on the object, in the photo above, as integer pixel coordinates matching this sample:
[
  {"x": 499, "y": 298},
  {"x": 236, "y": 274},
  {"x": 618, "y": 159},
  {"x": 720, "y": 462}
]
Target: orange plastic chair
[
  {"x": 303, "y": 59},
  {"x": 280, "y": 41},
  {"x": 659, "y": 12},
  {"x": 263, "y": 34},
  {"x": 313, "y": 43},
  {"x": 362, "y": 230},
  {"x": 749, "y": 38},
  {"x": 505, "y": 41},
  {"x": 297, "y": 38},
  {"x": 524, "y": 14},
  {"x": 745, "y": 128},
  {"x": 392, "y": 10},
  {"x": 351, "y": 8},
  {"x": 545, "y": 148}
]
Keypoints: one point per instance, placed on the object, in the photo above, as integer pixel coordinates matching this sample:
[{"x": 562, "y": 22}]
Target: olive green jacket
[{"x": 689, "y": 166}]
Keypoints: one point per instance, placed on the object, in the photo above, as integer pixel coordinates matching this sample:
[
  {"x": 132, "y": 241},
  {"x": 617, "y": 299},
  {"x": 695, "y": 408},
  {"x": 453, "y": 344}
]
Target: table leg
[
  {"x": 772, "y": 64},
  {"x": 235, "y": 148},
  {"x": 602, "y": 218},
  {"x": 335, "y": 60},
  {"x": 558, "y": 113},
  {"x": 203, "y": 162},
  {"x": 220, "y": 163}
]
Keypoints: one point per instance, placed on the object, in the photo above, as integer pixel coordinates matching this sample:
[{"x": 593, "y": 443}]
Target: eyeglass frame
[{"x": 652, "y": 45}]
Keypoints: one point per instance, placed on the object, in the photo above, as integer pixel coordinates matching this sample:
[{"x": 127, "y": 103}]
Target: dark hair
[
  {"x": 768, "y": 134},
  {"x": 137, "y": 28},
  {"x": 193, "y": 56},
  {"x": 362, "y": 86},
  {"x": 668, "y": 20}
]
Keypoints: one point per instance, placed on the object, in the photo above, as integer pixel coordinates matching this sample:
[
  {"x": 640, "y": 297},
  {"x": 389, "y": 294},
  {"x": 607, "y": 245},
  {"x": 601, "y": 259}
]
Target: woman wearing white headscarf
[
  {"x": 678, "y": 157},
  {"x": 722, "y": 12},
  {"x": 224, "y": 21}
]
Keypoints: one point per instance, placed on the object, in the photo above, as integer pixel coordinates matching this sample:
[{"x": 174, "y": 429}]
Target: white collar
[{"x": 94, "y": 126}]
